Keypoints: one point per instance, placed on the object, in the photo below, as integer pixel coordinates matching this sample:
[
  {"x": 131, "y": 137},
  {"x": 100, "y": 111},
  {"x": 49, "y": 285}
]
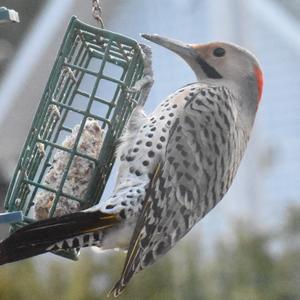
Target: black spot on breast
[
  {"x": 149, "y": 144},
  {"x": 138, "y": 173},
  {"x": 151, "y": 154},
  {"x": 146, "y": 163},
  {"x": 159, "y": 146}
]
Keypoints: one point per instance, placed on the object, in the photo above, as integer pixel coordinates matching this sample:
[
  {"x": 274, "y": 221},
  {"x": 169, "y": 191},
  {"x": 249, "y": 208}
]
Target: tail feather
[{"x": 37, "y": 238}]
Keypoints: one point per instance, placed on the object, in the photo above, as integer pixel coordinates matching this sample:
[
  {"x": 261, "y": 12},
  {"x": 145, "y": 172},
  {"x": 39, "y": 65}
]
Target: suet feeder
[{"x": 90, "y": 79}]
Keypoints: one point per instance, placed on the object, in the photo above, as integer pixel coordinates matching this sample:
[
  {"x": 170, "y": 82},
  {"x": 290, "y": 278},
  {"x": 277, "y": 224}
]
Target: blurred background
[{"x": 246, "y": 248}]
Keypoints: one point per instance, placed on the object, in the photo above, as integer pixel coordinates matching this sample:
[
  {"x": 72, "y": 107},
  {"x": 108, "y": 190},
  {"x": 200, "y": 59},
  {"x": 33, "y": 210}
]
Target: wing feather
[{"x": 183, "y": 189}]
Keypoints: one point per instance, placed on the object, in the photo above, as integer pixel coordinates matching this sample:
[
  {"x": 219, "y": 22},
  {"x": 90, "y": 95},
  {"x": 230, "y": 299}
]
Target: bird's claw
[{"x": 144, "y": 84}]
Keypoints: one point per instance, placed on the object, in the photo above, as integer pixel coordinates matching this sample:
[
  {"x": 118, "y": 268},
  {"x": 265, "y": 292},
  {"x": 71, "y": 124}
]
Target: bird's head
[{"x": 218, "y": 61}]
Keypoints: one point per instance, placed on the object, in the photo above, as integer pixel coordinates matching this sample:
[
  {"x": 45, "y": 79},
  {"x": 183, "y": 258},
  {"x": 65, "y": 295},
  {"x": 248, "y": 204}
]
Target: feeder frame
[{"x": 87, "y": 53}]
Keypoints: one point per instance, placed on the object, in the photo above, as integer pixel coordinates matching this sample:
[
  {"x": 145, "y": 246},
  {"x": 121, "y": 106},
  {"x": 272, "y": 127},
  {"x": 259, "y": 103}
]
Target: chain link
[{"x": 97, "y": 12}]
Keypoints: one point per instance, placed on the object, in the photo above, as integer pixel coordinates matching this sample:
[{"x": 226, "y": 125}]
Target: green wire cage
[{"x": 89, "y": 81}]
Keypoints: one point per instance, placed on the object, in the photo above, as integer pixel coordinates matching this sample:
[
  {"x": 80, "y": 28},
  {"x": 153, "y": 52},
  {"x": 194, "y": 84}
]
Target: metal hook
[{"x": 97, "y": 12}]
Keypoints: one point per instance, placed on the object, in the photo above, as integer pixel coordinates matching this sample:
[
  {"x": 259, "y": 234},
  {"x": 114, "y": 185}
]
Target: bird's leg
[{"x": 144, "y": 85}]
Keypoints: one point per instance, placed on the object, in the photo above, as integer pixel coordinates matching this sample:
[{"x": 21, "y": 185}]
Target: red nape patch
[{"x": 260, "y": 81}]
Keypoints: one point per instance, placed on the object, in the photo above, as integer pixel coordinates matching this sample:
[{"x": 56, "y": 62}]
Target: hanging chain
[{"x": 97, "y": 12}]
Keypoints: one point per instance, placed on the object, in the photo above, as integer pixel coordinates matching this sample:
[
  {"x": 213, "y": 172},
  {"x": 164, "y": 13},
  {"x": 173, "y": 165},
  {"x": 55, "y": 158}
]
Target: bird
[{"x": 175, "y": 164}]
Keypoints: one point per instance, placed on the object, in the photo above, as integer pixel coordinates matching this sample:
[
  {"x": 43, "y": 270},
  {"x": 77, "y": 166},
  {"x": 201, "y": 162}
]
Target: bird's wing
[{"x": 180, "y": 192}]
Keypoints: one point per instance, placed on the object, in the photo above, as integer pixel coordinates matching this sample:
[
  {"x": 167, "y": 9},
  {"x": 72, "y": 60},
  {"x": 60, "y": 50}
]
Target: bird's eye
[{"x": 219, "y": 52}]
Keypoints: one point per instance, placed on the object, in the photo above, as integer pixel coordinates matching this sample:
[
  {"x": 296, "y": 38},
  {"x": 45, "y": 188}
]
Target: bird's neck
[{"x": 246, "y": 94}]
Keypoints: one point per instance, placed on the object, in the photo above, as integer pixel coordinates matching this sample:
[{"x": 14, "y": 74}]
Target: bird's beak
[
  {"x": 180, "y": 48},
  {"x": 192, "y": 54}
]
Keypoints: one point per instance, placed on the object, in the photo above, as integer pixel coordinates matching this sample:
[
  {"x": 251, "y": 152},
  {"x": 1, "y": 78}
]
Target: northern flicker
[{"x": 175, "y": 164}]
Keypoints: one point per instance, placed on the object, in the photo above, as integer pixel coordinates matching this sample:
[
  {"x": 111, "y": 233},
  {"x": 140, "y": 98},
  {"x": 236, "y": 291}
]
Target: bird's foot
[{"x": 145, "y": 83}]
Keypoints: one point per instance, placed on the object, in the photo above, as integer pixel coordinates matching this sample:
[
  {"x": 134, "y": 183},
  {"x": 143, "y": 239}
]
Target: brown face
[
  {"x": 210, "y": 57},
  {"x": 211, "y": 50}
]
